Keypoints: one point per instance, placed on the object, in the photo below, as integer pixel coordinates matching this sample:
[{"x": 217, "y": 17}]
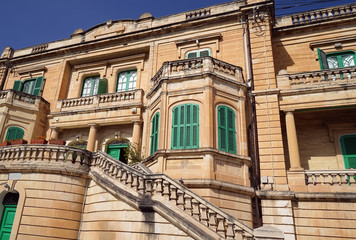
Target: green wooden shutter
[
  {"x": 38, "y": 86},
  {"x": 348, "y": 148},
  {"x": 14, "y": 133},
  {"x": 322, "y": 59},
  {"x": 17, "y": 85},
  {"x": 226, "y": 129},
  {"x": 195, "y": 126},
  {"x": 154, "y": 133},
  {"x": 7, "y": 221},
  {"x": 102, "y": 86},
  {"x": 175, "y": 128}
]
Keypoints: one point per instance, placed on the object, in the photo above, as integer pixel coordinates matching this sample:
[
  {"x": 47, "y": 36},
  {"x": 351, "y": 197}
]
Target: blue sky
[{"x": 24, "y": 23}]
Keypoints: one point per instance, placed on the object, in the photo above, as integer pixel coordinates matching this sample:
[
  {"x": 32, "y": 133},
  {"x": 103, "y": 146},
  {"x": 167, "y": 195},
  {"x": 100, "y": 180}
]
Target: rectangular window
[
  {"x": 126, "y": 81},
  {"x": 185, "y": 126},
  {"x": 336, "y": 60},
  {"x": 154, "y": 133},
  {"x": 226, "y": 129},
  {"x": 31, "y": 86}
]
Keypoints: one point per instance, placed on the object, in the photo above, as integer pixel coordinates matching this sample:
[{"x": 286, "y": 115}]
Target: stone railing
[
  {"x": 323, "y": 14},
  {"x": 198, "y": 66},
  {"x": 103, "y": 100},
  {"x": 331, "y": 177},
  {"x": 14, "y": 97},
  {"x": 161, "y": 185},
  {"x": 324, "y": 77},
  {"x": 198, "y": 14},
  {"x": 45, "y": 157}
]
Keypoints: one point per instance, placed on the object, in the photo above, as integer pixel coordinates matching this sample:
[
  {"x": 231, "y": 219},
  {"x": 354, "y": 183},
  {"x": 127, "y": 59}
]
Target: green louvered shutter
[
  {"x": 102, "y": 86},
  {"x": 154, "y": 133},
  {"x": 226, "y": 129},
  {"x": 14, "y": 133},
  {"x": 17, "y": 85},
  {"x": 175, "y": 128},
  {"x": 322, "y": 59},
  {"x": 181, "y": 126},
  {"x": 38, "y": 86},
  {"x": 195, "y": 126},
  {"x": 348, "y": 148}
]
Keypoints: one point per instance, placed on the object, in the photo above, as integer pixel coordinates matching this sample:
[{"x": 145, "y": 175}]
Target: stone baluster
[
  {"x": 119, "y": 173},
  {"x": 196, "y": 211},
  {"x": 204, "y": 215},
  {"x": 159, "y": 187},
  {"x": 173, "y": 196},
  {"x": 180, "y": 201},
  {"x": 212, "y": 220},
  {"x": 148, "y": 184},
  {"x": 141, "y": 185},
  {"x": 134, "y": 184},
  {"x": 128, "y": 179},
  {"x": 188, "y": 204},
  {"x": 124, "y": 175},
  {"x": 221, "y": 226},
  {"x": 166, "y": 190},
  {"x": 230, "y": 233}
]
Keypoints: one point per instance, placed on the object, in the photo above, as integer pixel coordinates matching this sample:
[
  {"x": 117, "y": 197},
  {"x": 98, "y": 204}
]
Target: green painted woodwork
[
  {"x": 198, "y": 53},
  {"x": 117, "y": 151},
  {"x": 126, "y": 81},
  {"x": 17, "y": 85},
  {"x": 322, "y": 59},
  {"x": 226, "y": 129},
  {"x": 154, "y": 133},
  {"x": 348, "y": 149},
  {"x": 90, "y": 86},
  {"x": 38, "y": 86},
  {"x": 7, "y": 221},
  {"x": 185, "y": 127},
  {"x": 14, "y": 133},
  {"x": 102, "y": 86}
]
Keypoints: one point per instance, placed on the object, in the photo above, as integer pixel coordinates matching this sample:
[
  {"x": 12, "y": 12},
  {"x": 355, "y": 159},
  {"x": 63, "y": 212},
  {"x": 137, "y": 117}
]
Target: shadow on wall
[{"x": 281, "y": 57}]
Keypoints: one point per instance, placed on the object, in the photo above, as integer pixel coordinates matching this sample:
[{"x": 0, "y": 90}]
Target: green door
[
  {"x": 117, "y": 151},
  {"x": 7, "y": 221},
  {"x": 348, "y": 148}
]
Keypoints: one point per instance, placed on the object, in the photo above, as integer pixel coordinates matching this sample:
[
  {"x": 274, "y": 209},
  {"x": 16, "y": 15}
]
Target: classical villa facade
[{"x": 244, "y": 124}]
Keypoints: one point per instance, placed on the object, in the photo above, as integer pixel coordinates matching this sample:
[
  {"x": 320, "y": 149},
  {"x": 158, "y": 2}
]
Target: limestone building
[{"x": 243, "y": 122}]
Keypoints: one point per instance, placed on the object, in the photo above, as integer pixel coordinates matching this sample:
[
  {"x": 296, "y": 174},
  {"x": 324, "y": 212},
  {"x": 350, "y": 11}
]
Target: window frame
[
  {"x": 154, "y": 133},
  {"x": 229, "y": 147},
  {"x": 183, "y": 125},
  {"x": 323, "y": 58},
  {"x": 92, "y": 90},
  {"x": 344, "y": 153},
  {"x": 198, "y": 51},
  {"x": 128, "y": 74},
  {"x": 37, "y": 85}
]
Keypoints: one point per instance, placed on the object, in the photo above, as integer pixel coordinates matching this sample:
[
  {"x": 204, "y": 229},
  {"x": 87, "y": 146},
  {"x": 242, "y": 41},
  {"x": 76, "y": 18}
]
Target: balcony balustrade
[
  {"x": 331, "y": 177},
  {"x": 198, "y": 66},
  {"x": 101, "y": 101},
  {"x": 20, "y": 99}
]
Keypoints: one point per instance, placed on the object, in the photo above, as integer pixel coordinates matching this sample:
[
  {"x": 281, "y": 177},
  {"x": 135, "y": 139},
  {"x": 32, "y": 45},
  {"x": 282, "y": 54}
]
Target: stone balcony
[
  {"x": 315, "y": 79},
  {"x": 128, "y": 98},
  {"x": 195, "y": 67},
  {"x": 12, "y": 98}
]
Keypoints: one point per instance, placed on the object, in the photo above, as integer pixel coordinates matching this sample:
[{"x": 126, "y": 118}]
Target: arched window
[
  {"x": 93, "y": 86},
  {"x": 185, "y": 126},
  {"x": 14, "y": 133},
  {"x": 226, "y": 129},
  {"x": 117, "y": 149},
  {"x": 8, "y": 214},
  {"x": 126, "y": 81},
  {"x": 348, "y": 149},
  {"x": 154, "y": 133}
]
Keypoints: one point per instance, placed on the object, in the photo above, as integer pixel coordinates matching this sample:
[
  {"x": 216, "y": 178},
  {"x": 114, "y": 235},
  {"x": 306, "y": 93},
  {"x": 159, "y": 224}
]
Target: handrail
[{"x": 160, "y": 184}]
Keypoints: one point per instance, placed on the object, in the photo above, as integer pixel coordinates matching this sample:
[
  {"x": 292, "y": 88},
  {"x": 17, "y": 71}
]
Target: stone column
[
  {"x": 92, "y": 137},
  {"x": 136, "y": 134},
  {"x": 54, "y": 133},
  {"x": 292, "y": 141}
]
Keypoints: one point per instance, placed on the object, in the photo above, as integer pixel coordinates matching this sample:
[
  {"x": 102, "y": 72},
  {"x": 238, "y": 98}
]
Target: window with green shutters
[
  {"x": 226, "y": 129},
  {"x": 185, "y": 126},
  {"x": 93, "y": 86},
  {"x": 9, "y": 206},
  {"x": 14, "y": 133},
  {"x": 31, "y": 86},
  {"x": 336, "y": 60},
  {"x": 126, "y": 81},
  {"x": 198, "y": 53},
  {"x": 154, "y": 133}
]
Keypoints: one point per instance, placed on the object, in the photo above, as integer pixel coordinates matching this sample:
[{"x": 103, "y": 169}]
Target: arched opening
[{"x": 9, "y": 205}]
